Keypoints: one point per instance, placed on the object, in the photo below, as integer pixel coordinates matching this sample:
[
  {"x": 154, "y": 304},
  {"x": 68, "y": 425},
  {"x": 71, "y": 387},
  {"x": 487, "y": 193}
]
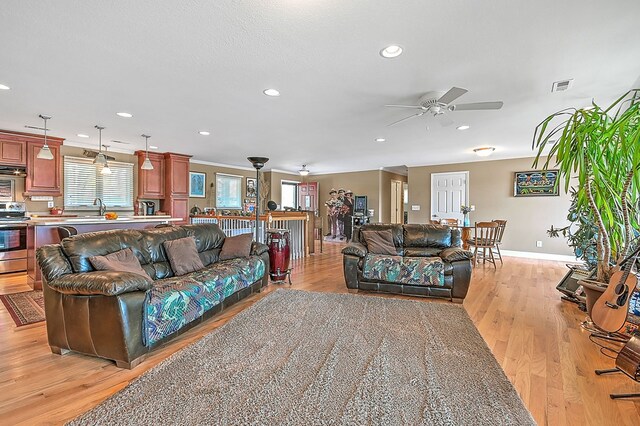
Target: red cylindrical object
[{"x": 279, "y": 253}]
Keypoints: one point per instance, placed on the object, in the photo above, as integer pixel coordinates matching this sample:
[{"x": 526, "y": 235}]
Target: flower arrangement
[{"x": 465, "y": 209}]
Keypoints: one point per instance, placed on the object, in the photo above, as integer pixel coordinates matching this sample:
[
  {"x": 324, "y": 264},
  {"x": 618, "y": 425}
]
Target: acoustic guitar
[{"x": 610, "y": 311}]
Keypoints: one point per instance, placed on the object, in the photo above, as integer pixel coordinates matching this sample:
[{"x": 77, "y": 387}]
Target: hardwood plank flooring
[{"x": 536, "y": 338}]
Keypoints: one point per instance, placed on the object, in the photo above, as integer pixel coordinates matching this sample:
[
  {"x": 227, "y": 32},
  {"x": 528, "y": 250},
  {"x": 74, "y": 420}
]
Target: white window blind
[
  {"x": 228, "y": 191},
  {"x": 83, "y": 183}
]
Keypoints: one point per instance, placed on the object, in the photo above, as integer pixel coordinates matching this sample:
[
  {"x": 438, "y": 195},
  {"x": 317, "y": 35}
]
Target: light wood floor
[{"x": 535, "y": 337}]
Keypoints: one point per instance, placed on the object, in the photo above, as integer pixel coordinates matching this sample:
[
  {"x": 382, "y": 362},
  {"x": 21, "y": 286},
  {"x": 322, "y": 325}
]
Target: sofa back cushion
[
  {"x": 209, "y": 241},
  {"x": 396, "y": 232},
  {"x": 430, "y": 235},
  {"x": 380, "y": 242},
  {"x": 81, "y": 247}
]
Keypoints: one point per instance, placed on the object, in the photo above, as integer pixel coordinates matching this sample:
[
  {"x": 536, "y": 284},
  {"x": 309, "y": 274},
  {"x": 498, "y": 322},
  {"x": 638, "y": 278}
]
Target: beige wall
[
  {"x": 491, "y": 191},
  {"x": 210, "y": 171}
]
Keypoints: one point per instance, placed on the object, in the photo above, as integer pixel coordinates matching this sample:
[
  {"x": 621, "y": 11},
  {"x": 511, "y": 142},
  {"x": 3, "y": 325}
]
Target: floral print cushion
[
  {"x": 174, "y": 302},
  {"x": 426, "y": 271}
]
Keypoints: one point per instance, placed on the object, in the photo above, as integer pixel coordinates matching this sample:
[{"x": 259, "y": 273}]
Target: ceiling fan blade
[
  {"x": 406, "y": 118},
  {"x": 444, "y": 120},
  {"x": 453, "y": 94},
  {"x": 120, "y": 142},
  {"x": 404, "y": 106},
  {"x": 477, "y": 106}
]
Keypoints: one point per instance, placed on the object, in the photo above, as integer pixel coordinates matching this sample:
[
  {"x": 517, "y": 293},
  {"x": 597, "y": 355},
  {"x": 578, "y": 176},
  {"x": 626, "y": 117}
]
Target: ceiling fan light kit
[
  {"x": 484, "y": 151},
  {"x": 304, "y": 171}
]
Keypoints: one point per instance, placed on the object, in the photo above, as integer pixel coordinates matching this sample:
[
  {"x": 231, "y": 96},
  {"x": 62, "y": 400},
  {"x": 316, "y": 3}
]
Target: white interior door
[
  {"x": 448, "y": 193},
  {"x": 396, "y": 201}
]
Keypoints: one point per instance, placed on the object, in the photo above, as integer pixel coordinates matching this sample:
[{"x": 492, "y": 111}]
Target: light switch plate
[
  {"x": 50, "y": 204},
  {"x": 415, "y": 207},
  {"x": 473, "y": 207}
]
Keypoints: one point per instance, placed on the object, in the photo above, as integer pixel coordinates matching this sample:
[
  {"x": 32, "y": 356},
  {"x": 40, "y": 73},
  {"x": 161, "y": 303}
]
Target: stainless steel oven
[
  {"x": 13, "y": 237},
  {"x": 13, "y": 247}
]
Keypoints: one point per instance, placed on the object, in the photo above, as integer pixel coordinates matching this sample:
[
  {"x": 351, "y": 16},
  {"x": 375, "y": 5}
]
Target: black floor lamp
[{"x": 258, "y": 163}]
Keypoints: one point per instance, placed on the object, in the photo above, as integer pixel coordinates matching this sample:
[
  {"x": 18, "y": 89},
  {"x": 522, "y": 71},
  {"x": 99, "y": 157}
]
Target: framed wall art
[
  {"x": 197, "y": 184},
  {"x": 536, "y": 183}
]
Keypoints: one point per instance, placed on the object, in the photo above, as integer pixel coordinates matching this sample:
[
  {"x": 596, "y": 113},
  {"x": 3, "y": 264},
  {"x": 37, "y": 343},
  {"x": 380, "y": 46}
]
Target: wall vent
[{"x": 562, "y": 85}]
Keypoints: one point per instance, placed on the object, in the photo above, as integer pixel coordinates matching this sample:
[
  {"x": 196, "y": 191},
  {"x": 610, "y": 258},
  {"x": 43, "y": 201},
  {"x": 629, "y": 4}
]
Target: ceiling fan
[{"x": 437, "y": 105}]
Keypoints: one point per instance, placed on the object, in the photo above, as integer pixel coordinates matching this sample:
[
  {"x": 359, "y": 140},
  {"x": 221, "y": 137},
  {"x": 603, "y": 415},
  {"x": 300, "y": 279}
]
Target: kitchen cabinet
[
  {"x": 176, "y": 201},
  {"x": 43, "y": 176},
  {"x": 13, "y": 152},
  {"x": 151, "y": 183}
]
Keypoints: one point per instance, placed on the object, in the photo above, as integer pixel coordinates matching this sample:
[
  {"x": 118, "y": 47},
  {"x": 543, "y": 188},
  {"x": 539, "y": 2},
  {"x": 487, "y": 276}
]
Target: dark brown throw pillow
[
  {"x": 380, "y": 242},
  {"x": 238, "y": 246},
  {"x": 183, "y": 255},
  {"x": 120, "y": 261}
]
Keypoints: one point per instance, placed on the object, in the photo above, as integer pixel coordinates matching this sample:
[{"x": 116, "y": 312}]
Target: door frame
[
  {"x": 399, "y": 193},
  {"x": 466, "y": 188}
]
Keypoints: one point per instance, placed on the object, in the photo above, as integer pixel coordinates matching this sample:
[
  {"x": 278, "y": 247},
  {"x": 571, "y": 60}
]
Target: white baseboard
[{"x": 544, "y": 256}]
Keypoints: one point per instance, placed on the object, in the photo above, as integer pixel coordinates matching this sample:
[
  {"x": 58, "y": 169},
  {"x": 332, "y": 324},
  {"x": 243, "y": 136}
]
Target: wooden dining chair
[
  {"x": 486, "y": 235},
  {"x": 449, "y": 221},
  {"x": 501, "y": 225}
]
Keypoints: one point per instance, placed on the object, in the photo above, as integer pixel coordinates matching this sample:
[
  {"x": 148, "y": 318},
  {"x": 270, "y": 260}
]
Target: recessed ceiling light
[
  {"x": 204, "y": 133},
  {"x": 392, "y": 51},
  {"x": 485, "y": 151},
  {"x": 82, "y": 135},
  {"x": 463, "y": 127},
  {"x": 271, "y": 92},
  {"x": 380, "y": 139},
  {"x": 153, "y": 147},
  {"x": 3, "y": 87},
  {"x": 124, "y": 114}
]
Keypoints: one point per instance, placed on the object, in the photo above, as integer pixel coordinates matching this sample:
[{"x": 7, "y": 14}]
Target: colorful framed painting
[
  {"x": 197, "y": 184},
  {"x": 536, "y": 183}
]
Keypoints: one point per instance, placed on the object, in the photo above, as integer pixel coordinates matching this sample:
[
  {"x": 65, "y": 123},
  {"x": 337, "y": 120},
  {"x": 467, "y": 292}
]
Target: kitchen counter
[
  {"x": 89, "y": 220},
  {"x": 41, "y": 231}
]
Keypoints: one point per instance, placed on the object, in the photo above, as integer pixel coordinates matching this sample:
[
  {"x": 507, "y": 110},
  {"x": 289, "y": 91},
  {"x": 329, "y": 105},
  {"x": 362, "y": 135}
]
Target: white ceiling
[{"x": 181, "y": 67}]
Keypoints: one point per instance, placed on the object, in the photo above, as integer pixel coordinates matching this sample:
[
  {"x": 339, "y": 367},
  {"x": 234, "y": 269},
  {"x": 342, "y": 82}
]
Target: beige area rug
[
  {"x": 302, "y": 358},
  {"x": 25, "y": 308}
]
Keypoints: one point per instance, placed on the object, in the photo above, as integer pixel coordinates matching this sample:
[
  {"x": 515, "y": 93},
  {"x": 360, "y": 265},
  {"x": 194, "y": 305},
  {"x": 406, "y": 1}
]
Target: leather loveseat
[
  {"x": 429, "y": 262},
  {"x": 122, "y": 316}
]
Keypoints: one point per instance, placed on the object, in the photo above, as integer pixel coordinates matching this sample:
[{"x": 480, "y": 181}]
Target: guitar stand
[{"x": 617, "y": 395}]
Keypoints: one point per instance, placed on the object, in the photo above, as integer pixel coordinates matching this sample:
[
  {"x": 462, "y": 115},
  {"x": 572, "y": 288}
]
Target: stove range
[{"x": 13, "y": 237}]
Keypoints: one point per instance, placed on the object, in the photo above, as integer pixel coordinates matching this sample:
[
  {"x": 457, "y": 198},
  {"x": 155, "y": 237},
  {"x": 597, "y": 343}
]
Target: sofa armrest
[
  {"x": 258, "y": 249},
  {"x": 105, "y": 283},
  {"x": 453, "y": 254},
  {"x": 355, "y": 249}
]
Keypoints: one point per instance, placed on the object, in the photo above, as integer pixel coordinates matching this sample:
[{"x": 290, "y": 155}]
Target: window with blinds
[
  {"x": 228, "y": 191},
  {"x": 83, "y": 183}
]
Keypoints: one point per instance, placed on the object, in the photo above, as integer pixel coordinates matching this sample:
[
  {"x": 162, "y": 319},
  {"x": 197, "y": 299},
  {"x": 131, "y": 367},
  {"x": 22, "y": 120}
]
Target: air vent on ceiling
[{"x": 562, "y": 85}]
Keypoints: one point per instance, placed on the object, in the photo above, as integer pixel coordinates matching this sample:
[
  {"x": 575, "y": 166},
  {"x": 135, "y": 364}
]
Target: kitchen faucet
[{"x": 102, "y": 208}]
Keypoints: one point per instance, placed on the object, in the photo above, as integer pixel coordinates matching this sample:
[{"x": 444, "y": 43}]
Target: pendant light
[
  {"x": 304, "y": 171},
  {"x": 45, "y": 152},
  {"x": 100, "y": 158},
  {"x": 105, "y": 169},
  {"x": 146, "y": 164}
]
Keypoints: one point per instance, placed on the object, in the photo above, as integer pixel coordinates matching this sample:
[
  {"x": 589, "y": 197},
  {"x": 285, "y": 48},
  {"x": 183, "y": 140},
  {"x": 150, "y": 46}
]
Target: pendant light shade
[
  {"x": 304, "y": 171},
  {"x": 100, "y": 158},
  {"x": 146, "y": 164},
  {"x": 45, "y": 153},
  {"x": 105, "y": 169}
]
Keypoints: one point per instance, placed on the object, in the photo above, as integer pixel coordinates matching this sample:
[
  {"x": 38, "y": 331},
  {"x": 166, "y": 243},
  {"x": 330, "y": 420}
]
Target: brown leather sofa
[
  {"x": 439, "y": 243},
  {"x": 106, "y": 314}
]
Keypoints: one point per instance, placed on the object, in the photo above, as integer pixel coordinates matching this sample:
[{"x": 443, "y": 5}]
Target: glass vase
[{"x": 466, "y": 221}]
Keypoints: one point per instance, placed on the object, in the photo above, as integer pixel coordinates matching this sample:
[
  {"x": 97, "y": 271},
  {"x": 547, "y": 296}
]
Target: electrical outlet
[
  {"x": 538, "y": 243},
  {"x": 50, "y": 204}
]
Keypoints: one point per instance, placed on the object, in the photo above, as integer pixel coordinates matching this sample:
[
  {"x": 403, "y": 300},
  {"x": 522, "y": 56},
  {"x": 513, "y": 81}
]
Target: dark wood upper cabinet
[
  {"x": 13, "y": 152},
  {"x": 151, "y": 183},
  {"x": 44, "y": 177},
  {"x": 176, "y": 201}
]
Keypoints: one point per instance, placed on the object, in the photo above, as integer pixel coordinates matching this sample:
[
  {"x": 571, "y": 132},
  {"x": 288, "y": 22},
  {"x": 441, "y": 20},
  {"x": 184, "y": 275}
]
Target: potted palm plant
[{"x": 599, "y": 148}]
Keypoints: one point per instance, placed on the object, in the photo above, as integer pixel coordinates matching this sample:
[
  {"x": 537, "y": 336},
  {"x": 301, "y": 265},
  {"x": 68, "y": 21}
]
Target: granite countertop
[{"x": 87, "y": 220}]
